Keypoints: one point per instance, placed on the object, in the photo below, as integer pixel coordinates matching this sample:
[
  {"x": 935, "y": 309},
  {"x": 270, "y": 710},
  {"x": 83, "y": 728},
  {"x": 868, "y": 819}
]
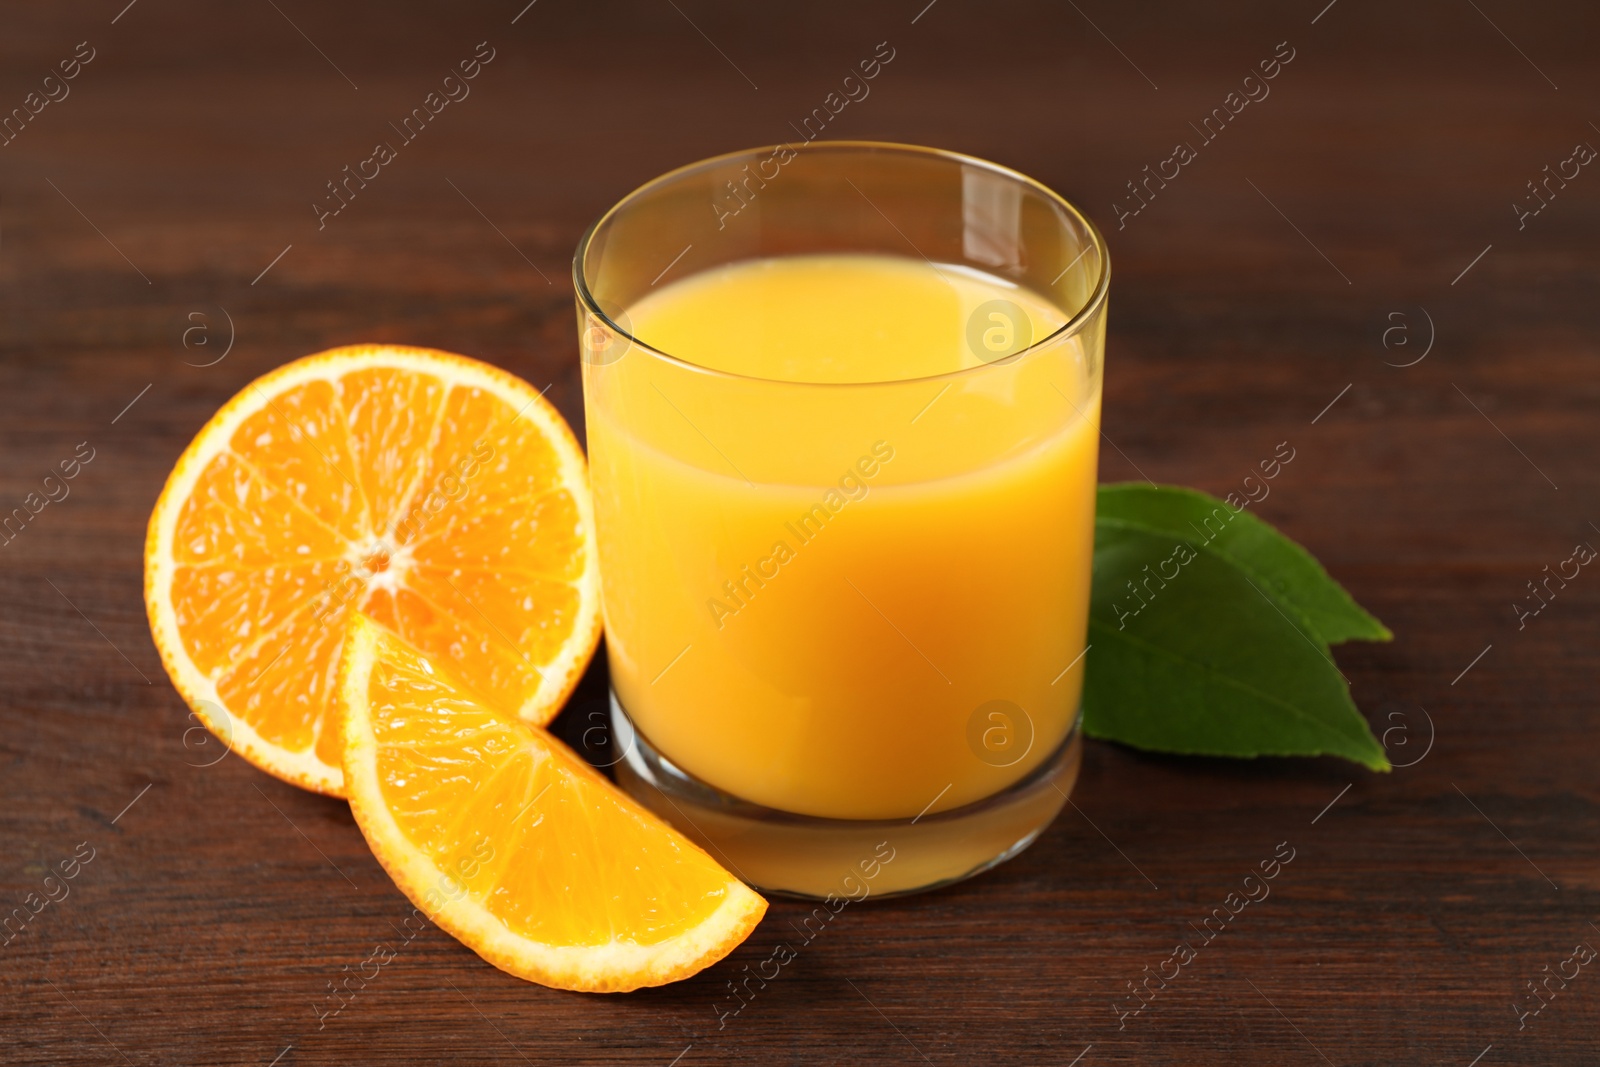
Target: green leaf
[
  {"x": 1214, "y": 654},
  {"x": 1276, "y": 564}
]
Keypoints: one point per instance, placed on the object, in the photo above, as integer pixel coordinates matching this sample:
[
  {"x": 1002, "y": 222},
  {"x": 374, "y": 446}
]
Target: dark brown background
[{"x": 208, "y": 925}]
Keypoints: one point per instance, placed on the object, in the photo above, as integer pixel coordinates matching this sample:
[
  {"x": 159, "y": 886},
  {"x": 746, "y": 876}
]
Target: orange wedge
[
  {"x": 441, "y": 496},
  {"x": 515, "y": 845}
]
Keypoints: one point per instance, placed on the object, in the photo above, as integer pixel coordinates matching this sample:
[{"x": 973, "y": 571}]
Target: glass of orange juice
[{"x": 843, "y": 406}]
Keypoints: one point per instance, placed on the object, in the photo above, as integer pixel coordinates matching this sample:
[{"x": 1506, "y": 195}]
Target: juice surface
[
  {"x": 854, "y": 318},
  {"x": 817, "y": 593}
]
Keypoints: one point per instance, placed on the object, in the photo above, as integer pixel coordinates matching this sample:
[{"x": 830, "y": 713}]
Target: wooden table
[{"x": 1261, "y": 296}]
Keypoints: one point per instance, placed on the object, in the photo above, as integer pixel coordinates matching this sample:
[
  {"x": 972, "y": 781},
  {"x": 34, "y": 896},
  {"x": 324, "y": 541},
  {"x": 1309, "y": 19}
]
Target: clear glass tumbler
[{"x": 846, "y": 618}]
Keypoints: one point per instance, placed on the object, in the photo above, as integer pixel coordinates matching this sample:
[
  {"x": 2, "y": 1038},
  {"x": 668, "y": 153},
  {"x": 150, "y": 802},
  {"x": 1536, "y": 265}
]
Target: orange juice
[{"x": 837, "y": 532}]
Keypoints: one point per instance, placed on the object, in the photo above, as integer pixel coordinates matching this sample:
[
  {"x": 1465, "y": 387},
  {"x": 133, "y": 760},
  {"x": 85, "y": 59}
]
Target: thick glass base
[{"x": 805, "y": 856}]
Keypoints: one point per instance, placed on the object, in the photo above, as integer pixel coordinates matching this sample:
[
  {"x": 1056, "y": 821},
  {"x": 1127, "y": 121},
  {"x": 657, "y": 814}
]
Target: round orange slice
[
  {"x": 442, "y": 497},
  {"x": 516, "y": 846}
]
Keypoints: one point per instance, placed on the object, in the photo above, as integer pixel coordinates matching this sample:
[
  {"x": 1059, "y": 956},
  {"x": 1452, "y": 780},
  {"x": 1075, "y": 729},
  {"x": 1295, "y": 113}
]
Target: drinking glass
[{"x": 846, "y": 621}]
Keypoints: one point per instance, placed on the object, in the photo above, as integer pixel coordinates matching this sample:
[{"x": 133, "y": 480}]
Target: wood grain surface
[{"x": 171, "y": 187}]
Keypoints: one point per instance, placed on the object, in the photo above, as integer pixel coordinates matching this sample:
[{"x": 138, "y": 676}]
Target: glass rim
[{"x": 1074, "y": 324}]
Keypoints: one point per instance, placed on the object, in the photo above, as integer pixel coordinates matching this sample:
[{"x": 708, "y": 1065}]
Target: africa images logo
[{"x": 804, "y": 528}]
